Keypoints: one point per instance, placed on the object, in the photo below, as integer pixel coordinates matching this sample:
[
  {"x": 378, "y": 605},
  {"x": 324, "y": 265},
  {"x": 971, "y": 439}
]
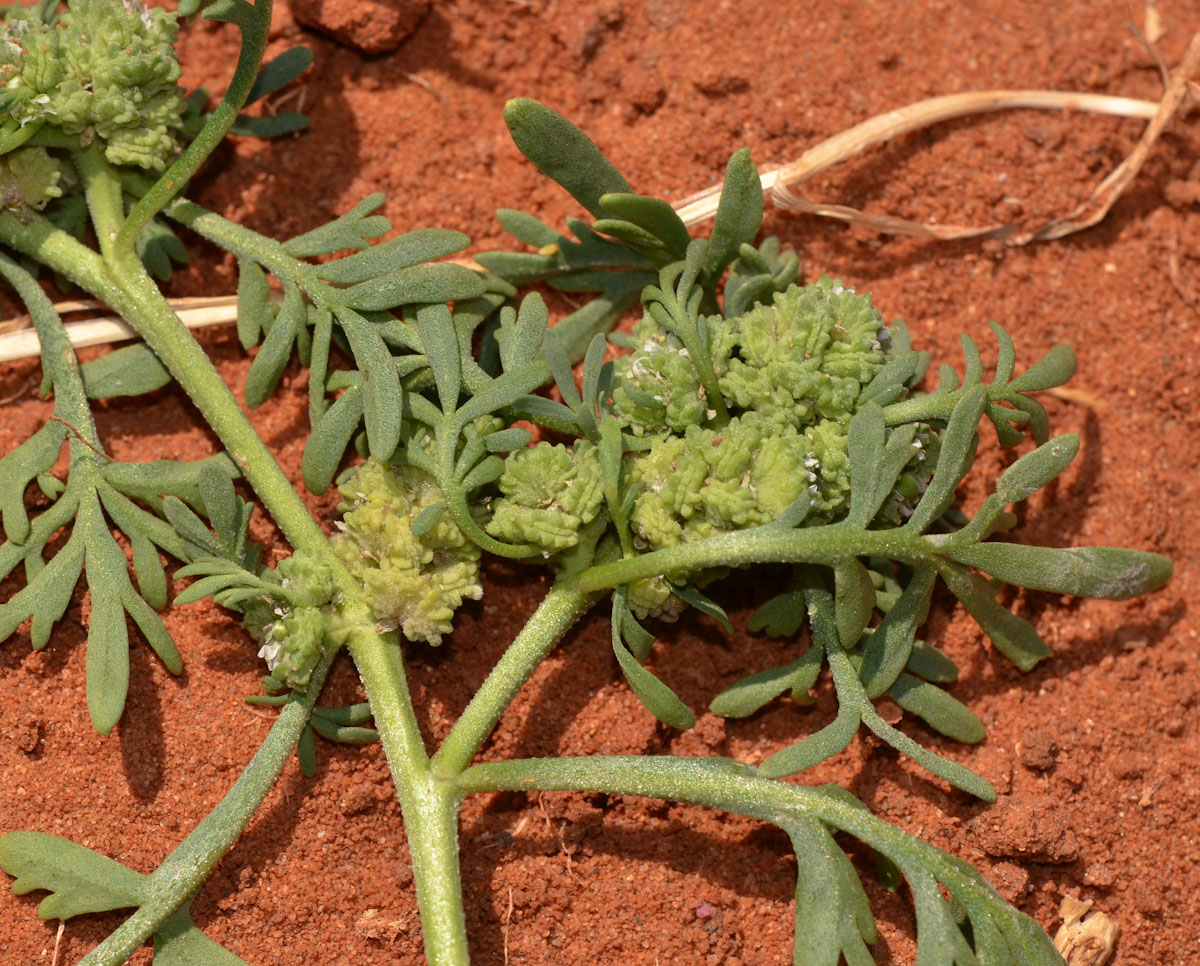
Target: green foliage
[
  {"x": 752, "y": 420},
  {"x": 137, "y": 498},
  {"x": 81, "y": 881}
]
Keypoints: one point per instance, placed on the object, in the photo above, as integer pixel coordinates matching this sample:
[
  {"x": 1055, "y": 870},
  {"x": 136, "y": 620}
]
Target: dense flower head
[
  {"x": 293, "y": 628},
  {"x": 549, "y": 493},
  {"x": 107, "y": 70},
  {"x": 29, "y": 178},
  {"x": 412, "y": 583}
]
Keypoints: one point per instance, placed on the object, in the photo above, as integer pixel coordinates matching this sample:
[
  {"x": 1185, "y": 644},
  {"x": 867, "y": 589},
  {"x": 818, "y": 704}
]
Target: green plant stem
[
  {"x": 428, "y": 804},
  {"x": 254, "y": 21},
  {"x": 558, "y": 611},
  {"x": 712, "y": 782},
  {"x": 186, "y": 868},
  {"x": 102, "y": 188},
  {"x": 762, "y": 545}
]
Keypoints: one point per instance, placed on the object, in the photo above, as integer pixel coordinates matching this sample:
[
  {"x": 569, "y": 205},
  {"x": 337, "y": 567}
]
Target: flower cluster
[
  {"x": 293, "y": 626},
  {"x": 413, "y": 582},
  {"x": 105, "y": 70}
]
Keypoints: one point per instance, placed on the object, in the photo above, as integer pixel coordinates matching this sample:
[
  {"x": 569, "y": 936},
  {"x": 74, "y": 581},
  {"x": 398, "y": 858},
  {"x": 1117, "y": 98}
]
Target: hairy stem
[
  {"x": 254, "y": 22},
  {"x": 762, "y": 545},
  {"x": 102, "y": 188},
  {"x": 428, "y": 804}
]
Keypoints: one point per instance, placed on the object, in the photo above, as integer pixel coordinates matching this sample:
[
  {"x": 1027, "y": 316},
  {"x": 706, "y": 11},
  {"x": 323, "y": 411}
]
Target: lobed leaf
[
  {"x": 351, "y": 230},
  {"x": 655, "y": 696},
  {"x": 833, "y": 916},
  {"x": 563, "y": 153},
  {"x": 79, "y": 880}
]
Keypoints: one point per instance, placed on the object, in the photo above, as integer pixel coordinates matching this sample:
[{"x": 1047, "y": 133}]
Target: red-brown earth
[{"x": 1095, "y": 753}]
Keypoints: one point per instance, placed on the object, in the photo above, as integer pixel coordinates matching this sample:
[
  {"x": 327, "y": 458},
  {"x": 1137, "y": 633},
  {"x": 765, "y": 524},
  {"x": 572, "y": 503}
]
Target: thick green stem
[
  {"x": 186, "y": 868},
  {"x": 428, "y": 804},
  {"x": 763, "y": 545},
  {"x": 102, "y": 188},
  {"x": 255, "y": 23},
  {"x": 561, "y": 608},
  {"x": 141, "y": 304}
]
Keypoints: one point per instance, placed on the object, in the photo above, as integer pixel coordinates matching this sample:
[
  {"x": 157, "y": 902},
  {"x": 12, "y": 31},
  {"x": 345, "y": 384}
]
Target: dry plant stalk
[
  {"x": 1083, "y": 939},
  {"x": 17, "y": 340}
]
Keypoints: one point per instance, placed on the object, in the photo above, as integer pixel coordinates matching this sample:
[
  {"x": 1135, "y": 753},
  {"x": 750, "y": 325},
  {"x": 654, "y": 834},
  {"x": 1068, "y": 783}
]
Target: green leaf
[
  {"x": 621, "y": 291},
  {"x": 129, "y": 371},
  {"x": 652, "y": 215},
  {"x": 507, "y": 440},
  {"x": 46, "y": 596},
  {"x": 404, "y": 251},
  {"x": 693, "y": 598},
  {"x": 343, "y": 734},
  {"x": 33, "y": 457},
  {"x": 487, "y": 471},
  {"x": 739, "y": 213},
  {"x": 1034, "y": 470},
  {"x": 957, "y": 454},
  {"x": 500, "y": 393},
  {"x": 326, "y": 445},
  {"x": 854, "y": 601},
  {"x": 439, "y": 342},
  {"x": 865, "y": 447},
  {"x": 276, "y": 350},
  {"x": 253, "y": 301},
  {"x": 657, "y": 698},
  {"x": 887, "y": 650},
  {"x": 382, "y": 397},
  {"x": 833, "y": 916},
  {"x": 931, "y": 664},
  {"x": 1055, "y": 368},
  {"x": 179, "y": 942},
  {"x": 107, "y": 661},
  {"x": 816, "y": 748},
  {"x": 563, "y": 153},
  {"x": 78, "y": 879},
  {"x": 350, "y": 230},
  {"x": 752, "y": 692},
  {"x": 781, "y": 616},
  {"x": 1013, "y": 637},
  {"x": 269, "y": 125},
  {"x": 421, "y": 284},
  {"x": 425, "y": 521},
  {"x": 937, "y": 708},
  {"x": 152, "y": 576},
  {"x": 1109, "y": 573},
  {"x": 637, "y": 637},
  {"x": 520, "y": 334},
  {"x": 279, "y": 71},
  {"x": 523, "y": 227},
  {"x": 306, "y": 752}
]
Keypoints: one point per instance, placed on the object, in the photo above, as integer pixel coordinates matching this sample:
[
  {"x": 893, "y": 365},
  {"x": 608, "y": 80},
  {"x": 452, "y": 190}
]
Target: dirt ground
[{"x": 1095, "y": 754}]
